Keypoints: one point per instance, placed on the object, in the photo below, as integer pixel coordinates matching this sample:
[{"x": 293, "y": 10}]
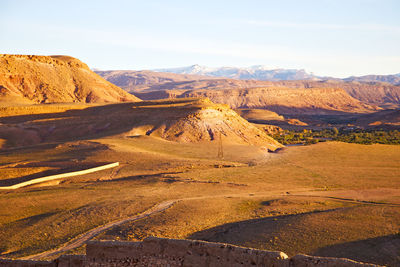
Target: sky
[{"x": 337, "y": 38}]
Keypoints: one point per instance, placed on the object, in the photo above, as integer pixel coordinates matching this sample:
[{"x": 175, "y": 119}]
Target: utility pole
[{"x": 220, "y": 154}]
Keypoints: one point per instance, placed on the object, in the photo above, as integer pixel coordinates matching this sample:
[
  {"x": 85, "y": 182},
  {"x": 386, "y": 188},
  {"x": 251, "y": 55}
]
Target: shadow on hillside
[
  {"x": 234, "y": 232},
  {"x": 91, "y": 122},
  {"x": 380, "y": 250},
  {"x": 88, "y": 111},
  {"x": 65, "y": 114},
  {"x": 31, "y": 220},
  {"x": 20, "y": 223},
  {"x": 71, "y": 125},
  {"x": 147, "y": 178},
  {"x": 258, "y": 233}
]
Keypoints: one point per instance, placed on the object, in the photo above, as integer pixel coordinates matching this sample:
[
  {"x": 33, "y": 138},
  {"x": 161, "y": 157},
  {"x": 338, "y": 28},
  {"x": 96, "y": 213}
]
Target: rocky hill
[
  {"x": 259, "y": 114},
  {"x": 373, "y": 93},
  {"x": 380, "y": 94},
  {"x": 202, "y": 120},
  {"x": 53, "y": 79},
  {"x": 268, "y": 120},
  {"x": 181, "y": 120}
]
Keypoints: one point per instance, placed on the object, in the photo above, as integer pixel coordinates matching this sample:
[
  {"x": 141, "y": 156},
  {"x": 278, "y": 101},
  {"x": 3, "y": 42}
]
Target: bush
[{"x": 358, "y": 136}]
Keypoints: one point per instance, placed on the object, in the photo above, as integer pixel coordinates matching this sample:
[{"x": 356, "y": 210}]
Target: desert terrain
[
  {"x": 315, "y": 103},
  {"x": 190, "y": 167},
  {"x": 155, "y": 85}
]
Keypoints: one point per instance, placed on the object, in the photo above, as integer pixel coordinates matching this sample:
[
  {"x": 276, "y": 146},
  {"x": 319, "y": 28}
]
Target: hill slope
[
  {"x": 183, "y": 120},
  {"x": 381, "y": 119},
  {"x": 54, "y": 79}
]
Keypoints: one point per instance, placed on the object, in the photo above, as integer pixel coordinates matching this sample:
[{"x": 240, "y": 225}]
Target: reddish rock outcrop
[{"x": 33, "y": 79}]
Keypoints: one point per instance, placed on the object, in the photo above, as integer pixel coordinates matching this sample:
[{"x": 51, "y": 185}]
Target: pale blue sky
[{"x": 327, "y": 37}]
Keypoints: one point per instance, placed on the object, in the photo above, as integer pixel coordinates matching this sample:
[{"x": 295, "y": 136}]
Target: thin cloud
[{"x": 322, "y": 26}]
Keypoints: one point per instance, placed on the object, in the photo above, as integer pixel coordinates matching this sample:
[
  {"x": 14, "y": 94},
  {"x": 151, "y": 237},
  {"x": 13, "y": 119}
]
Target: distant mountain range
[
  {"x": 257, "y": 72},
  {"x": 283, "y": 97},
  {"x": 281, "y": 91},
  {"x": 393, "y": 79},
  {"x": 263, "y": 73}
]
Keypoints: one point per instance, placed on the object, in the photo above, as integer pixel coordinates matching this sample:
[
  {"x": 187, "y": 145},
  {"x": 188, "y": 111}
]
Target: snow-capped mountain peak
[{"x": 256, "y": 72}]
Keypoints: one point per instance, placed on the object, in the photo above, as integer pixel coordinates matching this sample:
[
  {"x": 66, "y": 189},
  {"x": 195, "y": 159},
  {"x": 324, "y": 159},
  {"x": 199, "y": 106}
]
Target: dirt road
[{"x": 80, "y": 240}]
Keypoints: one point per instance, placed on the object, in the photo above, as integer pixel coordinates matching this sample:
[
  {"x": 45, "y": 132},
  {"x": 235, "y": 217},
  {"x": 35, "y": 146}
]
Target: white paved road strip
[{"x": 58, "y": 176}]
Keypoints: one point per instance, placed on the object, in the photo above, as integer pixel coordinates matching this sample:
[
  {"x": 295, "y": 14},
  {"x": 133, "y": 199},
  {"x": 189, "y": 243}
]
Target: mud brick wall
[
  {"x": 173, "y": 252},
  {"x": 159, "y": 252}
]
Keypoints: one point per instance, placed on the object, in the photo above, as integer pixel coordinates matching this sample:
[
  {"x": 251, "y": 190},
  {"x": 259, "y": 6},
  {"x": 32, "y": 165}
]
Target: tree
[{"x": 335, "y": 131}]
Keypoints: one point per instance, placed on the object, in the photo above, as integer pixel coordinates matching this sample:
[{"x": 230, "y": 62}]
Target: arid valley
[
  {"x": 207, "y": 133},
  {"x": 196, "y": 160}
]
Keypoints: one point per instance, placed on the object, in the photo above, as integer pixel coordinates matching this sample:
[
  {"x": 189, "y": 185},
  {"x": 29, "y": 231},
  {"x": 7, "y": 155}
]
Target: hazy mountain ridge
[
  {"x": 257, "y": 72},
  {"x": 264, "y": 73},
  {"x": 136, "y": 80},
  {"x": 392, "y": 79}
]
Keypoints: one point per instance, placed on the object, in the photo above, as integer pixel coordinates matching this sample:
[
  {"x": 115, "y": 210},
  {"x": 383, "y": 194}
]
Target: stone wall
[
  {"x": 59, "y": 176},
  {"x": 160, "y": 252},
  {"x": 174, "y": 252}
]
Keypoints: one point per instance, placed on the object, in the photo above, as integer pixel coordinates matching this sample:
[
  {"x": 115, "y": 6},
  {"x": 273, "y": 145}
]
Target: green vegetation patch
[{"x": 358, "y": 136}]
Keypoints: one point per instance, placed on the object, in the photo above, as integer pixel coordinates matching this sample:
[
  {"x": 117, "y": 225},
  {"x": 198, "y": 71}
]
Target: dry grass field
[{"x": 330, "y": 199}]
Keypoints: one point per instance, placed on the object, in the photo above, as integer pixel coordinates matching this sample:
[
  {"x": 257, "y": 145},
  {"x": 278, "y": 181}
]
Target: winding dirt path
[
  {"x": 81, "y": 239},
  {"x": 349, "y": 200}
]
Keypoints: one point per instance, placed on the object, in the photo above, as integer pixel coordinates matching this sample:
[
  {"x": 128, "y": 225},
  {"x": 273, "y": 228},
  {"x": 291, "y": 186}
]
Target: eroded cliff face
[
  {"x": 287, "y": 100},
  {"x": 54, "y": 79}
]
